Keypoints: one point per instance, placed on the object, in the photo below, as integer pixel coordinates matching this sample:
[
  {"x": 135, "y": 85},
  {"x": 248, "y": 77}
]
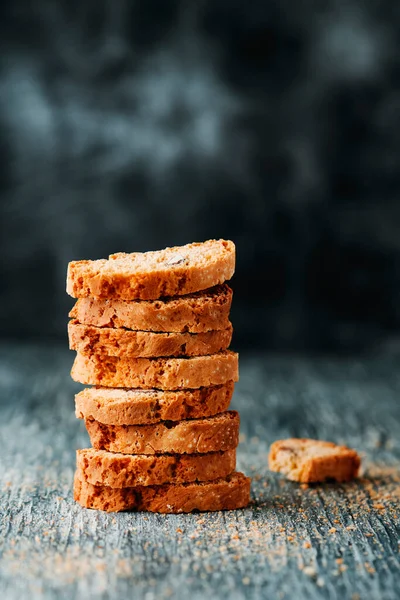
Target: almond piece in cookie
[{"x": 310, "y": 461}]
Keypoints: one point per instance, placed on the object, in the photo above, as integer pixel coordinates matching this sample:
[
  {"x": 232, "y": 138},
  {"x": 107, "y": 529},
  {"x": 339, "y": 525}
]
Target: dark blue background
[{"x": 132, "y": 125}]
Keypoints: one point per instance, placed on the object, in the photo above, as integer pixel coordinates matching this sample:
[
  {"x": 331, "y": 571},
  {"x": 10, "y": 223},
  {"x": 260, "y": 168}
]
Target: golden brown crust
[
  {"x": 89, "y": 340},
  {"x": 121, "y": 470},
  {"x": 310, "y": 461},
  {"x": 230, "y": 493},
  {"x": 195, "y": 313},
  {"x": 151, "y": 275},
  {"x": 144, "y": 407},
  {"x": 160, "y": 373},
  {"x": 212, "y": 434}
]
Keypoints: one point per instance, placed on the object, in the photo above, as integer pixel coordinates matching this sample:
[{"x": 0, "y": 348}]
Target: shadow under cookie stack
[{"x": 152, "y": 332}]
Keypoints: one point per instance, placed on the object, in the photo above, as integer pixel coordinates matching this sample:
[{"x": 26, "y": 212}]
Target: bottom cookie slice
[{"x": 222, "y": 494}]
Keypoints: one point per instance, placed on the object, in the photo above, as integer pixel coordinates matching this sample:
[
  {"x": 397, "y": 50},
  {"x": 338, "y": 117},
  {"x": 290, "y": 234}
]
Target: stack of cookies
[{"x": 152, "y": 332}]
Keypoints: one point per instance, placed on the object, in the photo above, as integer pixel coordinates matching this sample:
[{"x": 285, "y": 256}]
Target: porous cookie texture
[
  {"x": 120, "y": 470},
  {"x": 212, "y": 434},
  {"x": 160, "y": 373},
  {"x": 89, "y": 340},
  {"x": 100, "y": 467},
  {"x": 151, "y": 275},
  {"x": 310, "y": 461},
  {"x": 195, "y": 313},
  {"x": 230, "y": 493},
  {"x": 139, "y": 407}
]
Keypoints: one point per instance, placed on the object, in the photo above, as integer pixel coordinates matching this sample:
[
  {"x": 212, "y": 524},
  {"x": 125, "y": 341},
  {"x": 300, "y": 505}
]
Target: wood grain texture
[{"x": 316, "y": 542}]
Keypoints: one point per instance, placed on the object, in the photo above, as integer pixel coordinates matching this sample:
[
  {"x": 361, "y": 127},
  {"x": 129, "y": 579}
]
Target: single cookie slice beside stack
[
  {"x": 152, "y": 332},
  {"x": 313, "y": 461}
]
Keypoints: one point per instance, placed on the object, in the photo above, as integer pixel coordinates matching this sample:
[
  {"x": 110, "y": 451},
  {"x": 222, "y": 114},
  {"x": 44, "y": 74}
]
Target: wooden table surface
[{"x": 325, "y": 541}]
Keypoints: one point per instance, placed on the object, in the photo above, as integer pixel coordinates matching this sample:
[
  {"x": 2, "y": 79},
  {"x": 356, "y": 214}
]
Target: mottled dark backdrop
[{"x": 131, "y": 125}]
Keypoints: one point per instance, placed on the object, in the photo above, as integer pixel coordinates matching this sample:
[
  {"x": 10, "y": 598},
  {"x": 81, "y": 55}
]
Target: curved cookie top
[{"x": 151, "y": 275}]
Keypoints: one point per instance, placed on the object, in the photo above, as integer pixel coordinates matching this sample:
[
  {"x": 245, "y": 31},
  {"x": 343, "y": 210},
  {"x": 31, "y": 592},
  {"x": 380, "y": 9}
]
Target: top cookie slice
[{"x": 151, "y": 275}]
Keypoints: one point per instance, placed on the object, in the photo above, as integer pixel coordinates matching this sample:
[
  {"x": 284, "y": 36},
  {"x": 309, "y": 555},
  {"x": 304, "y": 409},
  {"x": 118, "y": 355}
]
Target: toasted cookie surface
[
  {"x": 211, "y": 434},
  {"x": 88, "y": 340},
  {"x": 308, "y": 461},
  {"x": 196, "y": 313},
  {"x": 229, "y": 493},
  {"x": 160, "y": 373},
  {"x": 121, "y": 470},
  {"x": 140, "y": 407},
  {"x": 150, "y": 275}
]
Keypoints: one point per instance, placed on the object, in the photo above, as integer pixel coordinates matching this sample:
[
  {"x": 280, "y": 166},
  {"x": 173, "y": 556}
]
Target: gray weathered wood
[{"x": 328, "y": 541}]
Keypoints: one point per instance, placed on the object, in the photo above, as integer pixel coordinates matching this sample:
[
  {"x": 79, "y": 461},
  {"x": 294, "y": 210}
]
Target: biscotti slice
[
  {"x": 212, "y": 434},
  {"x": 89, "y": 340},
  {"x": 160, "y": 373},
  {"x": 151, "y": 275},
  {"x": 144, "y": 407},
  {"x": 194, "y": 313},
  {"x": 120, "y": 470},
  {"x": 229, "y": 493},
  {"x": 309, "y": 461}
]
